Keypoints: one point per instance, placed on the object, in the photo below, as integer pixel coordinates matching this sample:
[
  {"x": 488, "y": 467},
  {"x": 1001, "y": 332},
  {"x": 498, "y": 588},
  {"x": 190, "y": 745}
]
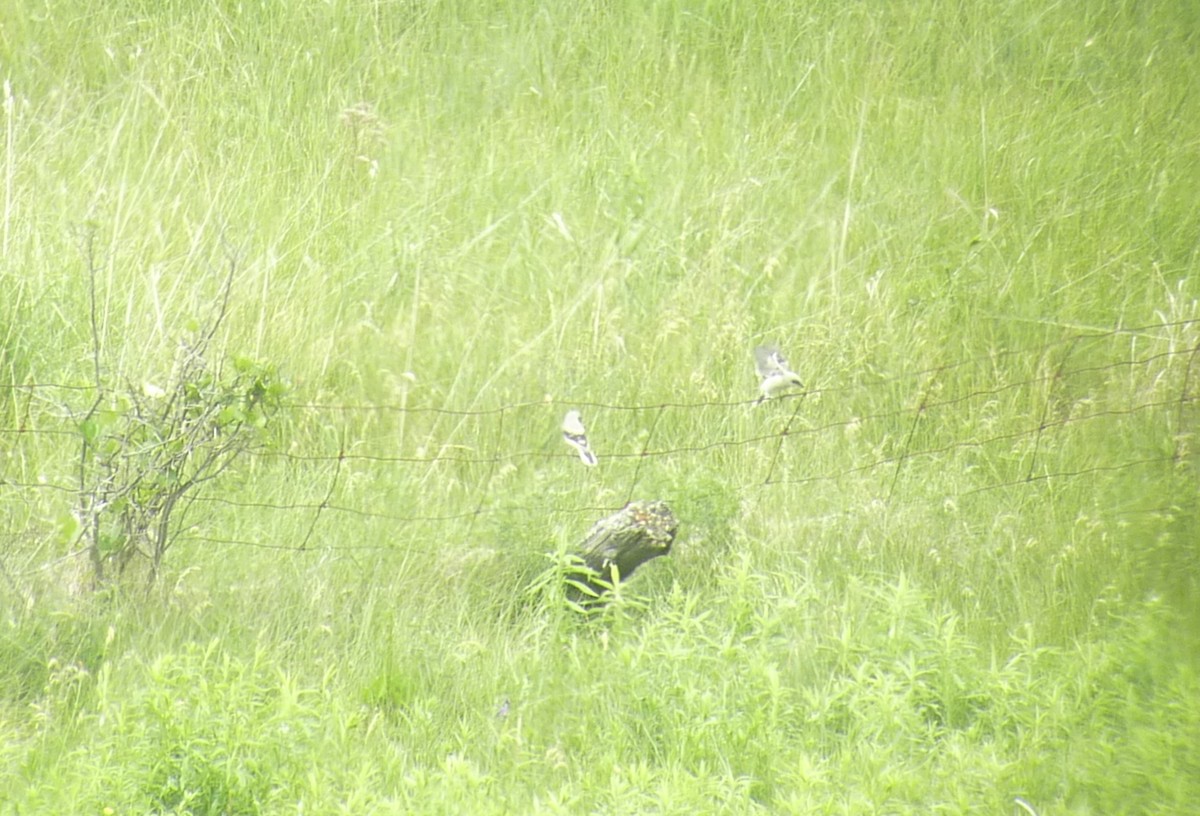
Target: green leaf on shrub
[
  {"x": 90, "y": 429},
  {"x": 68, "y": 528}
]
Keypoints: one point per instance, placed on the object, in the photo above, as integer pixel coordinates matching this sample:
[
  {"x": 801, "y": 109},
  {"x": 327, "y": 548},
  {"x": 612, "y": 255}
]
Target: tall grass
[{"x": 480, "y": 205}]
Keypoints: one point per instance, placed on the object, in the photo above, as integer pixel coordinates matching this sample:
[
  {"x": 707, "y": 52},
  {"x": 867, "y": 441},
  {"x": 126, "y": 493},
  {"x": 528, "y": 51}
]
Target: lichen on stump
[{"x": 619, "y": 544}]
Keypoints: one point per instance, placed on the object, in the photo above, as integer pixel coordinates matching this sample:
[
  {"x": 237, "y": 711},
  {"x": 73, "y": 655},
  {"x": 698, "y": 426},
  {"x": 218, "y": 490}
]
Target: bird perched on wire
[
  {"x": 576, "y": 436},
  {"x": 775, "y": 373}
]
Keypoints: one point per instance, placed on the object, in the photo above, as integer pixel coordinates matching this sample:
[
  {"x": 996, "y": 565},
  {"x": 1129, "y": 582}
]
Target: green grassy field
[{"x": 962, "y": 568}]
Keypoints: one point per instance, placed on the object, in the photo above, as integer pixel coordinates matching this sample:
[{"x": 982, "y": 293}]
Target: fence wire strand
[{"x": 1066, "y": 388}]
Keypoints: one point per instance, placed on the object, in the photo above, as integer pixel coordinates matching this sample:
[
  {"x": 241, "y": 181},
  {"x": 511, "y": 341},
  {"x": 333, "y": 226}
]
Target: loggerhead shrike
[
  {"x": 573, "y": 432},
  {"x": 776, "y": 375}
]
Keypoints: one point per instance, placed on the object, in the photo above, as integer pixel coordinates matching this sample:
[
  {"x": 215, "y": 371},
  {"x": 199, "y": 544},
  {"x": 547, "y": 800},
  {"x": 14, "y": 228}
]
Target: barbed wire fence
[{"x": 451, "y": 467}]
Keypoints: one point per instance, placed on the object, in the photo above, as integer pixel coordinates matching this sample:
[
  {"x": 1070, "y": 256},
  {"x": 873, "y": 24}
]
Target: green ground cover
[{"x": 961, "y": 568}]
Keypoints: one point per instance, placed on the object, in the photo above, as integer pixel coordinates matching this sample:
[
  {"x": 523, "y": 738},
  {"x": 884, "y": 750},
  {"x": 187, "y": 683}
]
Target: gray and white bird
[
  {"x": 576, "y": 436},
  {"x": 775, "y": 373}
]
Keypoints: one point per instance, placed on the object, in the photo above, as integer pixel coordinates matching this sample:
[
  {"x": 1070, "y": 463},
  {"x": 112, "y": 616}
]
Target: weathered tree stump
[{"x": 619, "y": 544}]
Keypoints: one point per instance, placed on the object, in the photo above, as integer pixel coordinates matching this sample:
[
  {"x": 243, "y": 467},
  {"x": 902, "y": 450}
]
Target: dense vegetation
[{"x": 960, "y": 568}]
